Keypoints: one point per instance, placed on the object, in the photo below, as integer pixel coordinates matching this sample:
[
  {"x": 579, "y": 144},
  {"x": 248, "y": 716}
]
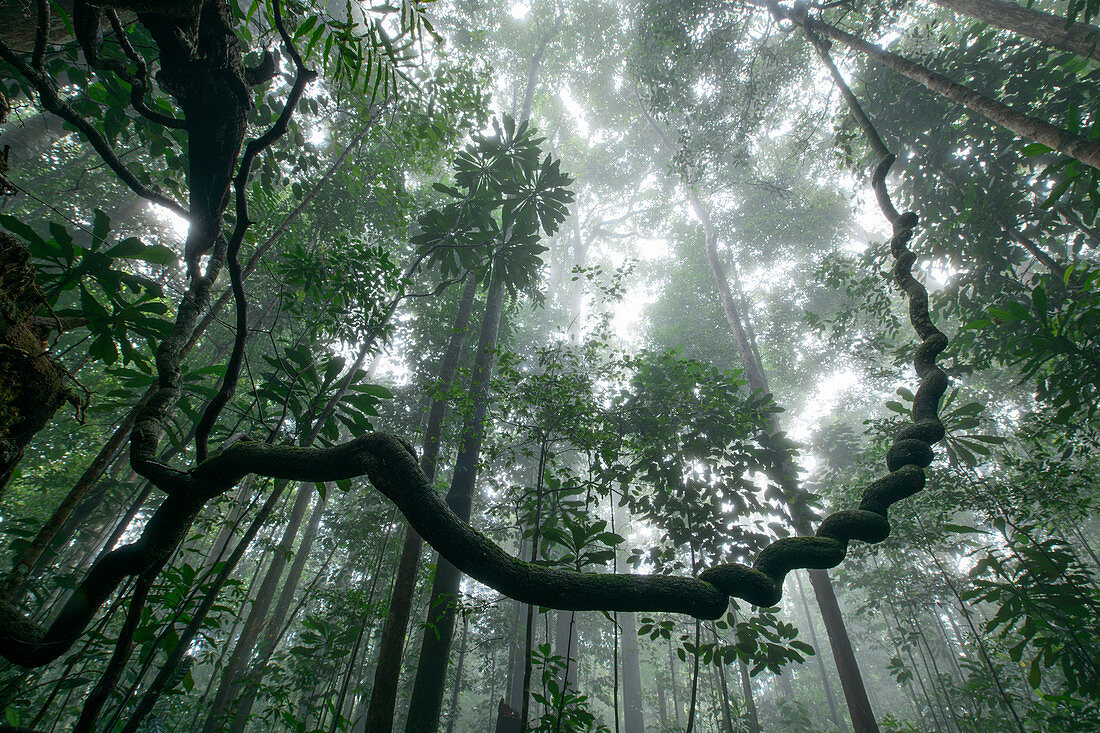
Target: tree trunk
[
  {"x": 565, "y": 646},
  {"x": 230, "y": 686},
  {"x": 825, "y": 684},
  {"x": 529, "y": 640},
  {"x": 1051, "y": 30},
  {"x": 633, "y": 717},
  {"x": 272, "y": 630},
  {"x": 32, "y": 385},
  {"x": 674, "y": 685},
  {"x": 863, "y": 719},
  {"x": 427, "y": 694},
  {"x": 753, "y": 722},
  {"x": 452, "y": 714},
  {"x": 392, "y": 646},
  {"x": 724, "y": 694},
  {"x": 1031, "y": 128}
]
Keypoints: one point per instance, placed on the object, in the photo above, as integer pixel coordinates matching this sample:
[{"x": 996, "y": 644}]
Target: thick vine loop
[{"x": 390, "y": 464}]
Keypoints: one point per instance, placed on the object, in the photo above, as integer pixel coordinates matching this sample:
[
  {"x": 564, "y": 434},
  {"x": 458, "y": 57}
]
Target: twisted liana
[{"x": 391, "y": 466}]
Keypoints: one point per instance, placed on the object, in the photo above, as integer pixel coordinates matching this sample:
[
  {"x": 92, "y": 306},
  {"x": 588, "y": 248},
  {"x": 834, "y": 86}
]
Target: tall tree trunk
[
  {"x": 724, "y": 694},
  {"x": 392, "y": 646},
  {"x": 565, "y": 646},
  {"x": 1051, "y": 30},
  {"x": 452, "y": 714},
  {"x": 674, "y": 684},
  {"x": 753, "y": 722},
  {"x": 633, "y": 715},
  {"x": 427, "y": 694},
  {"x": 1031, "y": 128},
  {"x": 529, "y": 640},
  {"x": 851, "y": 681},
  {"x": 230, "y": 686},
  {"x": 826, "y": 685},
  {"x": 863, "y": 718},
  {"x": 272, "y": 629}
]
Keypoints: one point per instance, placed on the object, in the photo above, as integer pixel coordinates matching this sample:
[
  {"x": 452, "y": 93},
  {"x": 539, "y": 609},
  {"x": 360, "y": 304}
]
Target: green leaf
[
  {"x": 1034, "y": 674},
  {"x": 963, "y": 529},
  {"x": 1032, "y": 149}
]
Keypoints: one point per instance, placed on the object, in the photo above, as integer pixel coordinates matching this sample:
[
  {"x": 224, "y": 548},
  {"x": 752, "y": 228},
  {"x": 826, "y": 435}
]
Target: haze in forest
[{"x": 549, "y": 366}]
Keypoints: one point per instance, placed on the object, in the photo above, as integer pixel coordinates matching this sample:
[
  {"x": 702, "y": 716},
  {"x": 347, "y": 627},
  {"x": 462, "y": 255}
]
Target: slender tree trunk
[
  {"x": 662, "y": 706},
  {"x": 694, "y": 681},
  {"x": 392, "y": 646},
  {"x": 529, "y": 642},
  {"x": 750, "y": 704},
  {"x": 863, "y": 719},
  {"x": 533, "y": 75},
  {"x": 859, "y": 707},
  {"x": 272, "y": 629},
  {"x": 724, "y": 694},
  {"x": 1031, "y": 128},
  {"x": 238, "y": 507},
  {"x": 825, "y": 684},
  {"x": 427, "y": 694},
  {"x": 675, "y": 684},
  {"x": 230, "y": 686},
  {"x": 1051, "y": 30},
  {"x": 633, "y": 715},
  {"x": 452, "y": 714},
  {"x": 787, "y": 474}
]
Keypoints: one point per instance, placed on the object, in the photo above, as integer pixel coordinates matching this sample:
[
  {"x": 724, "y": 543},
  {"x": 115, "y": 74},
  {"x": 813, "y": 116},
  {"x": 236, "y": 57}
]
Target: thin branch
[
  {"x": 51, "y": 101},
  {"x": 256, "y": 146},
  {"x": 139, "y": 83}
]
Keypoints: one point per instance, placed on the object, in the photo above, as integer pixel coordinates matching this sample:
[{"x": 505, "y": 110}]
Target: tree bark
[
  {"x": 392, "y": 646},
  {"x": 32, "y": 385},
  {"x": 863, "y": 717},
  {"x": 859, "y": 707},
  {"x": 427, "y": 694},
  {"x": 453, "y": 712},
  {"x": 1048, "y": 29},
  {"x": 826, "y": 685},
  {"x": 753, "y": 722}
]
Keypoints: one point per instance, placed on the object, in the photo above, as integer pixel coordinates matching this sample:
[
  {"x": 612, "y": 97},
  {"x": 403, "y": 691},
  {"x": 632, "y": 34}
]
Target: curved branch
[
  {"x": 139, "y": 83},
  {"x": 391, "y": 466},
  {"x": 52, "y": 102},
  {"x": 256, "y": 146}
]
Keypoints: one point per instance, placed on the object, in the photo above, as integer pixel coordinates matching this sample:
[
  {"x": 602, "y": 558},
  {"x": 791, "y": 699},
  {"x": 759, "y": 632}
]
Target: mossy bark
[{"x": 32, "y": 385}]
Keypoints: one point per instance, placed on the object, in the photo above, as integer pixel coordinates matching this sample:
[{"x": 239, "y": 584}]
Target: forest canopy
[{"x": 549, "y": 366}]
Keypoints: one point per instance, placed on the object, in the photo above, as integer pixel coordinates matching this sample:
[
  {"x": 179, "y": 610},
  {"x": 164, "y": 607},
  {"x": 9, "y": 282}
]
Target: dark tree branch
[
  {"x": 41, "y": 35},
  {"x": 264, "y": 71},
  {"x": 256, "y": 146},
  {"x": 51, "y": 101},
  {"x": 139, "y": 83}
]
